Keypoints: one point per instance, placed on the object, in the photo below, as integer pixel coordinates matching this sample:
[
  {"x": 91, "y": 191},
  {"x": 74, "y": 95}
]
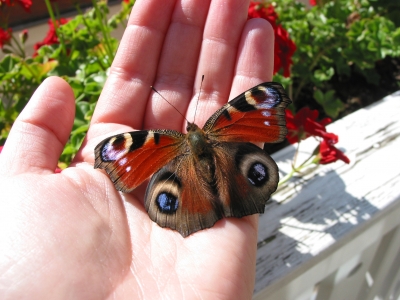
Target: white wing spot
[
  {"x": 266, "y": 113},
  {"x": 123, "y": 161}
]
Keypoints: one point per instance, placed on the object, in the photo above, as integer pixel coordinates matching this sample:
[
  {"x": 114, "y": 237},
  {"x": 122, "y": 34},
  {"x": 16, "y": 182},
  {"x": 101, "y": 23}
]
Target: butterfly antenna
[
  {"x": 169, "y": 103},
  {"x": 198, "y": 99}
]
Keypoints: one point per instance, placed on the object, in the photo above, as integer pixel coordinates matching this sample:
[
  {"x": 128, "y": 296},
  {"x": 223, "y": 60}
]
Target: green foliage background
[
  {"x": 337, "y": 38},
  {"x": 83, "y": 58}
]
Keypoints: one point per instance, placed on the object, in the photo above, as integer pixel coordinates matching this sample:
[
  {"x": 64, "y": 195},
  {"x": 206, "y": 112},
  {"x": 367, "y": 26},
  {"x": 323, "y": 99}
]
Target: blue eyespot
[
  {"x": 167, "y": 203},
  {"x": 258, "y": 174}
]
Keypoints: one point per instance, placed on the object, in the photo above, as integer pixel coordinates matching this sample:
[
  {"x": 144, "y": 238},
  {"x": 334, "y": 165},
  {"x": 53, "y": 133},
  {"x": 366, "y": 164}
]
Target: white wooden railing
[{"x": 335, "y": 232}]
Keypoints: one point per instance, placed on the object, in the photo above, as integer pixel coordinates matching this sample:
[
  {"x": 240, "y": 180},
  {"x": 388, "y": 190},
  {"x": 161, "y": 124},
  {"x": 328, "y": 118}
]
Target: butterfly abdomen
[
  {"x": 201, "y": 153},
  {"x": 197, "y": 141}
]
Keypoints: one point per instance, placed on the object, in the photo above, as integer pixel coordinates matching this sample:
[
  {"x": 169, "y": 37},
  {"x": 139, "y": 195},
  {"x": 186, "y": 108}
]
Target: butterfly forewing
[
  {"x": 257, "y": 115},
  {"x": 131, "y": 158}
]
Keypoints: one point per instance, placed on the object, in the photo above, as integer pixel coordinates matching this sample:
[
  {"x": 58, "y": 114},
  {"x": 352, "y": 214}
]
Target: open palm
[{"x": 72, "y": 235}]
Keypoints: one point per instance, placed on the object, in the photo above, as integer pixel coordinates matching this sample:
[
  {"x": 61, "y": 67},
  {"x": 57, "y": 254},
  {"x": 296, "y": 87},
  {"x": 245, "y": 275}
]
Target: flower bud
[{"x": 23, "y": 36}]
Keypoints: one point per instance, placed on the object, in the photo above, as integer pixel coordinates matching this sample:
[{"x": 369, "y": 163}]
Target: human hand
[{"x": 72, "y": 235}]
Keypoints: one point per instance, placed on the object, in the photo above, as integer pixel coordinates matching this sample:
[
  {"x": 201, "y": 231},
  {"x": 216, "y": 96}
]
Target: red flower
[
  {"x": 1, "y": 148},
  {"x": 258, "y": 10},
  {"x": 329, "y": 153},
  {"x": 305, "y": 124},
  {"x": 313, "y": 2},
  {"x": 284, "y": 50},
  {"x": 51, "y": 37},
  {"x": 5, "y": 37},
  {"x": 23, "y": 36},
  {"x": 26, "y": 4},
  {"x": 284, "y": 46}
]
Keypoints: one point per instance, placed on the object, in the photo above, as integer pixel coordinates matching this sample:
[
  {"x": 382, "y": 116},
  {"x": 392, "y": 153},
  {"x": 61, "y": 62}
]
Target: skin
[{"x": 72, "y": 235}]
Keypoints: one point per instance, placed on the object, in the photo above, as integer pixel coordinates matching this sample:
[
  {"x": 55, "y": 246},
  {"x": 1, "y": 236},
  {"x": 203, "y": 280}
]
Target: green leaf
[
  {"x": 332, "y": 105},
  {"x": 8, "y": 63},
  {"x": 323, "y": 75}
]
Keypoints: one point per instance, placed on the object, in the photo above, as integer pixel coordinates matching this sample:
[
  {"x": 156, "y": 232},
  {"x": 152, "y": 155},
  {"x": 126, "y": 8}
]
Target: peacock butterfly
[{"x": 205, "y": 174}]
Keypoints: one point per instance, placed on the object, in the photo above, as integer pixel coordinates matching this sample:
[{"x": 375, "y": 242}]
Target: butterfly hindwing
[
  {"x": 131, "y": 158},
  {"x": 257, "y": 115},
  {"x": 180, "y": 195},
  {"x": 246, "y": 177}
]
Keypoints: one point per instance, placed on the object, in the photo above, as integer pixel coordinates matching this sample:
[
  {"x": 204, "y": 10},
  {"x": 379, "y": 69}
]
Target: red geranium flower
[
  {"x": 329, "y": 153},
  {"x": 51, "y": 37},
  {"x": 284, "y": 50},
  {"x": 258, "y": 10},
  {"x": 313, "y": 2},
  {"x": 305, "y": 124},
  {"x": 26, "y": 4},
  {"x": 284, "y": 46},
  {"x": 5, "y": 37}
]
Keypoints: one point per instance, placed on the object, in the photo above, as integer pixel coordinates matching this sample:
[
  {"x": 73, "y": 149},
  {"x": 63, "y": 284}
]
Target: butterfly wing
[
  {"x": 181, "y": 197},
  {"x": 246, "y": 177},
  {"x": 257, "y": 115},
  {"x": 130, "y": 158}
]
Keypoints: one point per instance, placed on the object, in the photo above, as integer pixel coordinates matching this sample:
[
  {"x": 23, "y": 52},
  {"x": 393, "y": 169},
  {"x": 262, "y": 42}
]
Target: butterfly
[{"x": 206, "y": 174}]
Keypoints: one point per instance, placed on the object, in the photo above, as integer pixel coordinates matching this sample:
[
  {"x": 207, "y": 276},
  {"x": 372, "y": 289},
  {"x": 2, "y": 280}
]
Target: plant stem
[
  {"x": 286, "y": 178},
  {"x": 89, "y": 29},
  {"x": 55, "y": 24},
  {"x": 296, "y": 154},
  {"x": 34, "y": 75},
  {"x": 22, "y": 51},
  {"x": 294, "y": 168},
  {"x": 104, "y": 31}
]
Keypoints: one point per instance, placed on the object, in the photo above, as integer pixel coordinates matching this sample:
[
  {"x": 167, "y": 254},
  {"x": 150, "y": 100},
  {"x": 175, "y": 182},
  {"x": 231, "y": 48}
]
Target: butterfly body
[{"x": 208, "y": 173}]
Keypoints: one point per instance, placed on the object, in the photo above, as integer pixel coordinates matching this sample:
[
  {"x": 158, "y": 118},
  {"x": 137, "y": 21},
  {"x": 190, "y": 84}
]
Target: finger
[
  {"x": 39, "y": 134},
  {"x": 178, "y": 64},
  {"x": 217, "y": 62},
  {"x": 122, "y": 103},
  {"x": 126, "y": 92},
  {"x": 255, "y": 60}
]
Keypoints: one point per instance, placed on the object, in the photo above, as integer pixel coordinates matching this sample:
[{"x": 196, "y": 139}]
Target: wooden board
[{"x": 308, "y": 215}]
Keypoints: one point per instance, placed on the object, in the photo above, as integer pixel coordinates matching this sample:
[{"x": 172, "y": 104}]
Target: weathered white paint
[{"x": 334, "y": 233}]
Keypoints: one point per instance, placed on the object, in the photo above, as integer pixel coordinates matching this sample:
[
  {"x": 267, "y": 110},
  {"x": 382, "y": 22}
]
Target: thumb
[{"x": 39, "y": 134}]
